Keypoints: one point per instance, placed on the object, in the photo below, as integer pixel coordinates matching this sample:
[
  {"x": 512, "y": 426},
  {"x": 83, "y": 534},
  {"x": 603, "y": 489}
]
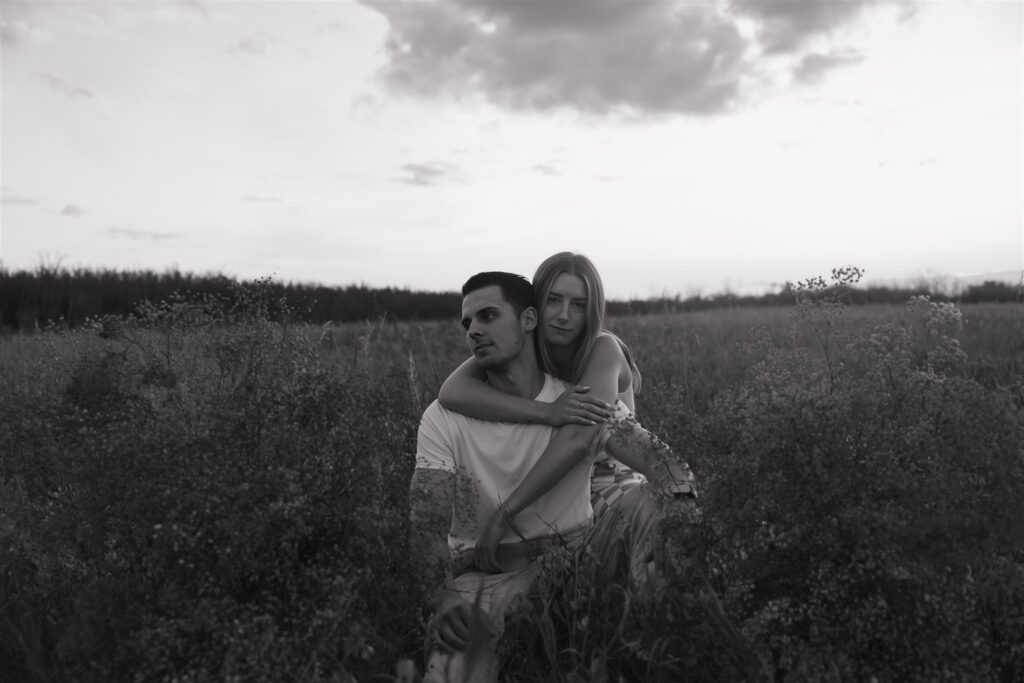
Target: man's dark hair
[{"x": 516, "y": 289}]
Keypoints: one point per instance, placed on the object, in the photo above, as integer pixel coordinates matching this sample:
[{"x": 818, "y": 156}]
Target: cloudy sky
[{"x": 684, "y": 145}]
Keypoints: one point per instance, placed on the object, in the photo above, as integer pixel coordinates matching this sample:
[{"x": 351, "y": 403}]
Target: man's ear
[{"x": 528, "y": 319}]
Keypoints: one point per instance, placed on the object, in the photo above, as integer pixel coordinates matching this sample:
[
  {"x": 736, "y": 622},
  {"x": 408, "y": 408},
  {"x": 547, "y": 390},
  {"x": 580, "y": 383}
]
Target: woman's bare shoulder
[
  {"x": 609, "y": 340},
  {"x": 608, "y": 347}
]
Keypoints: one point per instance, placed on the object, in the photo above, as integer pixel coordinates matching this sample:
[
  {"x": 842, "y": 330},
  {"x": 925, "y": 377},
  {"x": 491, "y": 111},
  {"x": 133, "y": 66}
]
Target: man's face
[{"x": 495, "y": 333}]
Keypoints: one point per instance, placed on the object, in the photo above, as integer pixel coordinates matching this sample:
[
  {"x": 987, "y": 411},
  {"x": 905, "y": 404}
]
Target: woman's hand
[
  {"x": 576, "y": 406},
  {"x": 485, "y": 552}
]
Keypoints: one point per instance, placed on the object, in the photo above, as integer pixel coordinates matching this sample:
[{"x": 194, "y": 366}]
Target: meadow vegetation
[{"x": 208, "y": 490}]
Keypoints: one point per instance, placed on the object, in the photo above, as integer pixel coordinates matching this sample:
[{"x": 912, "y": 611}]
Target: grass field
[{"x": 207, "y": 493}]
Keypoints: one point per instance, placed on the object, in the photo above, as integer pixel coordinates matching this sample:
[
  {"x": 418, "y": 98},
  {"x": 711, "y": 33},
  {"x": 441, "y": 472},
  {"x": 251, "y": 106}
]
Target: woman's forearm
[
  {"x": 641, "y": 450},
  {"x": 487, "y": 403},
  {"x": 467, "y": 393},
  {"x": 569, "y": 445}
]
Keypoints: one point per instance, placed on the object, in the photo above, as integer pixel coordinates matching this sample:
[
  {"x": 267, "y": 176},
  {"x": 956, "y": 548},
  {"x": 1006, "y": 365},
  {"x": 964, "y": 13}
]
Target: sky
[{"x": 685, "y": 146}]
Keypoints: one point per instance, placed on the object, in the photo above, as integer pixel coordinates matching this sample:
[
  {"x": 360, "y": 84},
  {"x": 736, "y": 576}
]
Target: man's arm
[{"x": 431, "y": 497}]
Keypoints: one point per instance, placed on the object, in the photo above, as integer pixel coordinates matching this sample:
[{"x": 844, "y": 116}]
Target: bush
[
  {"x": 881, "y": 499},
  {"x": 206, "y": 491},
  {"x": 863, "y": 519},
  {"x": 204, "y": 500}
]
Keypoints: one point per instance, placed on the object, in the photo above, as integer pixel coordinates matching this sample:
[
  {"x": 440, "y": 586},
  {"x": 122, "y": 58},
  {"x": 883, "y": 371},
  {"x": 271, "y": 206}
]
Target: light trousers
[{"x": 618, "y": 548}]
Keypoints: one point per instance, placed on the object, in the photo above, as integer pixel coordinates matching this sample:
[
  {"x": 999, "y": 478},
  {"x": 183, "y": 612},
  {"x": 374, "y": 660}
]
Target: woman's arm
[
  {"x": 466, "y": 392},
  {"x": 568, "y": 446},
  {"x": 572, "y": 442},
  {"x": 644, "y": 452}
]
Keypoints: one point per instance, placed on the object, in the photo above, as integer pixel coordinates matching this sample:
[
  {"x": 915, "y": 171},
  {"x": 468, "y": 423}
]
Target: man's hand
[{"x": 457, "y": 621}]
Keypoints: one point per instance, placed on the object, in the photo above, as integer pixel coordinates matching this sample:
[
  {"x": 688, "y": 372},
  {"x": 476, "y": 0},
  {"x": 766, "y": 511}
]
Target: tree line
[{"x": 31, "y": 299}]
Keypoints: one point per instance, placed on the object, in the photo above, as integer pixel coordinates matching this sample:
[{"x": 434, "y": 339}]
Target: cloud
[
  {"x": 584, "y": 55},
  {"x": 72, "y": 210},
  {"x": 253, "y": 45},
  {"x": 601, "y": 56},
  {"x": 17, "y": 32},
  {"x": 426, "y": 174},
  {"x": 127, "y": 233},
  {"x": 14, "y": 200},
  {"x": 812, "y": 67},
  {"x": 61, "y": 86},
  {"x": 783, "y": 25}
]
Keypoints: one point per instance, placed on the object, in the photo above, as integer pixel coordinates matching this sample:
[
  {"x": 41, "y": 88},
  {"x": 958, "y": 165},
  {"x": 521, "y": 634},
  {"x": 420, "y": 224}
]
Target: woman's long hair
[{"x": 570, "y": 263}]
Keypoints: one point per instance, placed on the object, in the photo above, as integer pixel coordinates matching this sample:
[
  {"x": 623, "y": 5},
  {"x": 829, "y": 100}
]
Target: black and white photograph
[{"x": 501, "y": 341}]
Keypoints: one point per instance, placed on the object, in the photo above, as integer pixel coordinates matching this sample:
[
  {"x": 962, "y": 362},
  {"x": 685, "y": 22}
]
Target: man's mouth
[{"x": 481, "y": 345}]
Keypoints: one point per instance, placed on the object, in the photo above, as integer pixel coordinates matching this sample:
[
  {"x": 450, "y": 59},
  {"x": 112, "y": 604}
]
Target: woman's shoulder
[
  {"x": 609, "y": 346},
  {"x": 611, "y": 341},
  {"x": 614, "y": 350}
]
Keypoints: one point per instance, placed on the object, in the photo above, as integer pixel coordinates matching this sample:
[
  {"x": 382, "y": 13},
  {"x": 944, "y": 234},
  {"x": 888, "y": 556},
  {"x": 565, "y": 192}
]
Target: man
[{"x": 465, "y": 468}]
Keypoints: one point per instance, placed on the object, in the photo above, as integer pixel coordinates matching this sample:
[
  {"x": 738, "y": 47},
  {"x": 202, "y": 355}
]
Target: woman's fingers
[
  {"x": 590, "y": 407},
  {"x": 581, "y": 396}
]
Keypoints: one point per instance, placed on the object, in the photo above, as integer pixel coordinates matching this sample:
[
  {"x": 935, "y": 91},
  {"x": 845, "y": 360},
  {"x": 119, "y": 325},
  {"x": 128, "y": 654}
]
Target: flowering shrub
[
  {"x": 205, "y": 501},
  {"x": 868, "y": 508},
  {"x": 863, "y": 519},
  {"x": 207, "y": 491}
]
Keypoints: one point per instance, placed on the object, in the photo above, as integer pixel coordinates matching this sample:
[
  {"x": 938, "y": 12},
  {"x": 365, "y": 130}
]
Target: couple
[{"x": 496, "y": 486}]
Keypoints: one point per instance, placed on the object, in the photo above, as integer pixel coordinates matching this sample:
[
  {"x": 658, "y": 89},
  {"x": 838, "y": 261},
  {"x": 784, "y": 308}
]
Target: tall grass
[{"x": 209, "y": 491}]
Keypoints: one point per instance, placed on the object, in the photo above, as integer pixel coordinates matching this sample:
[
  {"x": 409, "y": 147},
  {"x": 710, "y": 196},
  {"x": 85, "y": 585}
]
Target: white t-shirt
[{"x": 489, "y": 460}]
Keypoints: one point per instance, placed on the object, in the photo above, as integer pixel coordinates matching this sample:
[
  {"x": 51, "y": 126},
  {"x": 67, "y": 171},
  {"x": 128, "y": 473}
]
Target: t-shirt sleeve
[{"x": 434, "y": 443}]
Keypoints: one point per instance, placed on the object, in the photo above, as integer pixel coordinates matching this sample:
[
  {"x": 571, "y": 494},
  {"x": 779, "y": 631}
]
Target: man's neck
[{"x": 520, "y": 376}]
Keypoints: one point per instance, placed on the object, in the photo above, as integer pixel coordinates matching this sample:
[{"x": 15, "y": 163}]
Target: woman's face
[{"x": 564, "y": 314}]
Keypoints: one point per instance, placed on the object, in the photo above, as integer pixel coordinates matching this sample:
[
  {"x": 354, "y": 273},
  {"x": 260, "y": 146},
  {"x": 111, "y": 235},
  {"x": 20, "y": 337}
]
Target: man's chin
[{"x": 486, "y": 360}]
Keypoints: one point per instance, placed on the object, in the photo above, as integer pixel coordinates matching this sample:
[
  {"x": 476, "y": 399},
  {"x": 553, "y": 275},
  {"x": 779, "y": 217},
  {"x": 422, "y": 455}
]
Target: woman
[{"x": 573, "y": 346}]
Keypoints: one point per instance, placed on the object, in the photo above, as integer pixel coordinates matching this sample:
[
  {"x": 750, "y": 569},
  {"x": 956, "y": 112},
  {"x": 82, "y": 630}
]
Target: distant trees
[
  {"x": 32, "y": 299},
  {"x": 29, "y": 299},
  {"x": 993, "y": 291}
]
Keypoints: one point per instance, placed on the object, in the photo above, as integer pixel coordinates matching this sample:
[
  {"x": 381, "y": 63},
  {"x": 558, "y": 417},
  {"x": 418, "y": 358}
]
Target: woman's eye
[{"x": 578, "y": 306}]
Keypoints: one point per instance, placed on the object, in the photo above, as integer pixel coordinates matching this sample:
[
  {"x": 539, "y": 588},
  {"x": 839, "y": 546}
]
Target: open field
[{"x": 208, "y": 494}]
